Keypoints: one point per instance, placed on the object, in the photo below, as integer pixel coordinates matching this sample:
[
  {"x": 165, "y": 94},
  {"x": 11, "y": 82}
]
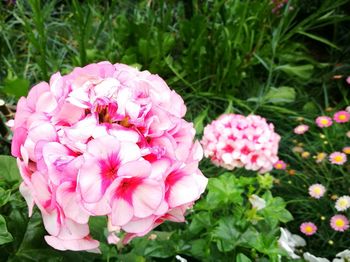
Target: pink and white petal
[
  {"x": 84, "y": 244},
  {"x": 73, "y": 230},
  {"x": 42, "y": 193},
  {"x": 46, "y": 103},
  {"x": 51, "y": 222},
  {"x": 102, "y": 147},
  {"x": 129, "y": 152},
  {"x": 147, "y": 197},
  {"x": 100, "y": 208},
  {"x": 68, "y": 199},
  {"x": 69, "y": 114},
  {"x": 159, "y": 168},
  {"x": 113, "y": 239},
  {"x": 27, "y": 194},
  {"x": 126, "y": 135},
  {"x": 122, "y": 212},
  {"x": 135, "y": 169},
  {"x": 35, "y": 92},
  {"x": 142, "y": 225},
  {"x": 183, "y": 191},
  {"x": 19, "y": 136},
  {"x": 90, "y": 182}
]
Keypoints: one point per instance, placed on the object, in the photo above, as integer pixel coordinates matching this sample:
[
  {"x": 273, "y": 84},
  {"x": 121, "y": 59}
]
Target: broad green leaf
[
  {"x": 4, "y": 196},
  {"x": 17, "y": 87},
  {"x": 8, "y": 169},
  {"x": 199, "y": 248},
  {"x": 242, "y": 258},
  {"x": 302, "y": 71},
  {"x": 223, "y": 190},
  {"x": 281, "y": 95},
  {"x": 226, "y": 234},
  {"x": 5, "y": 236},
  {"x": 199, "y": 222},
  {"x": 97, "y": 225}
]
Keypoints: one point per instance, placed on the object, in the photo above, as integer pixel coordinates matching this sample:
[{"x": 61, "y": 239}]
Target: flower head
[
  {"x": 257, "y": 202},
  {"x": 301, "y": 129},
  {"x": 339, "y": 223},
  {"x": 308, "y": 228},
  {"x": 280, "y": 165},
  {"x": 346, "y": 150},
  {"x": 343, "y": 203},
  {"x": 105, "y": 140},
  {"x": 341, "y": 117},
  {"x": 320, "y": 157},
  {"x": 237, "y": 141},
  {"x": 348, "y": 134},
  {"x": 337, "y": 158},
  {"x": 317, "y": 191},
  {"x": 324, "y": 121}
]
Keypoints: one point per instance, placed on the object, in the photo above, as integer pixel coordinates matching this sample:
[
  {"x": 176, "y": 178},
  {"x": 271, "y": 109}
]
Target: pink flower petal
[{"x": 122, "y": 212}]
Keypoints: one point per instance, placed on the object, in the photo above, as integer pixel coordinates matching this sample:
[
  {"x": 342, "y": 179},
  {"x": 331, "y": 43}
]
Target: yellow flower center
[
  {"x": 309, "y": 229},
  {"x": 324, "y": 121},
  {"x": 342, "y": 117},
  {"x": 317, "y": 191},
  {"x": 346, "y": 150},
  {"x": 279, "y": 166},
  {"x": 338, "y": 158},
  {"x": 339, "y": 222},
  {"x": 342, "y": 202}
]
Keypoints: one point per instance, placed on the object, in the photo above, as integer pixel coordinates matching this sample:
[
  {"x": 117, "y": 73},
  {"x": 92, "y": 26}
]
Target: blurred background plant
[{"x": 279, "y": 59}]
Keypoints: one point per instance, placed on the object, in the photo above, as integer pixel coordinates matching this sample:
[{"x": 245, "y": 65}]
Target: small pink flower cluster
[
  {"x": 237, "y": 141},
  {"x": 105, "y": 140}
]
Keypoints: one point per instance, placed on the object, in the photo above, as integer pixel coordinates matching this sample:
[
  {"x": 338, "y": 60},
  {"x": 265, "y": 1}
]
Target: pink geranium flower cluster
[
  {"x": 105, "y": 140},
  {"x": 237, "y": 141}
]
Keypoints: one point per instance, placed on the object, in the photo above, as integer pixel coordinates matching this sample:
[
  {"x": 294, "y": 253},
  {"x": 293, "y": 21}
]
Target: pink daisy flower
[
  {"x": 301, "y": 129},
  {"x": 308, "y": 228},
  {"x": 317, "y": 191},
  {"x": 337, "y": 158},
  {"x": 324, "y": 121},
  {"x": 346, "y": 150},
  {"x": 341, "y": 116},
  {"x": 339, "y": 223},
  {"x": 280, "y": 164}
]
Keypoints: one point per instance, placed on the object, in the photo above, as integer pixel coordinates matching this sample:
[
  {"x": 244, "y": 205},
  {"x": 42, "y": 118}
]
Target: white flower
[
  {"x": 311, "y": 258},
  {"x": 342, "y": 256},
  {"x": 289, "y": 242},
  {"x": 343, "y": 203},
  {"x": 257, "y": 202},
  {"x": 181, "y": 259}
]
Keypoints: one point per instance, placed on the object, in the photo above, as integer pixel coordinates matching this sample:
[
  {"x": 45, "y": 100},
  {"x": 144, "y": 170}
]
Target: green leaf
[
  {"x": 226, "y": 234},
  {"x": 319, "y": 39},
  {"x": 5, "y": 236},
  {"x": 223, "y": 190},
  {"x": 8, "y": 169},
  {"x": 4, "y": 196},
  {"x": 302, "y": 71},
  {"x": 17, "y": 87},
  {"x": 97, "y": 225},
  {"x": 198, "y": 121},
  {"x": 275, "y": 210},
  {"x": 242, "y": 258},
  {"x": 199, "y": 222},
  {"x": 281, "y": 95}
]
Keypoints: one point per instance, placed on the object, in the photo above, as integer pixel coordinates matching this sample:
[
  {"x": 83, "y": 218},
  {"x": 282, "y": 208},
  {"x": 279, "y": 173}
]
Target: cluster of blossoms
[
  {"x": 105, "y": 140},
  {"x": 337, "y": 222},
  {"x": 237, "y": 141}
]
